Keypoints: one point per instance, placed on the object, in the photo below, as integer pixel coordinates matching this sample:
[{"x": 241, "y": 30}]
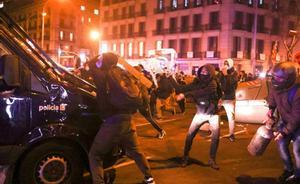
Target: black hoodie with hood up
[{"x": 202, "y": 91}]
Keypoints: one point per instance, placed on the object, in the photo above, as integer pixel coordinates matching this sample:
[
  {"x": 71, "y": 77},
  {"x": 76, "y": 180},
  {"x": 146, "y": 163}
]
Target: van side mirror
[{"x": 10, "y": 70}]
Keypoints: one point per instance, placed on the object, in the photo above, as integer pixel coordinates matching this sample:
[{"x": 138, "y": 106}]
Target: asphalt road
[{"x": 236, "y": 165}]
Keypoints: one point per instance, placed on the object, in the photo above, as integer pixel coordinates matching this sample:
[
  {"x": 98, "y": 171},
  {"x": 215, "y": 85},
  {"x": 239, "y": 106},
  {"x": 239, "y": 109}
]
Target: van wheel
[{"x": 51, "y": 163}]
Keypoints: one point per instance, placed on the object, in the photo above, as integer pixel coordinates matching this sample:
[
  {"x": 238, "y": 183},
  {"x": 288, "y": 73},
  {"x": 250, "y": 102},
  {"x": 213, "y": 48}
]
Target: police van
[{"x": 48, "y": 116}]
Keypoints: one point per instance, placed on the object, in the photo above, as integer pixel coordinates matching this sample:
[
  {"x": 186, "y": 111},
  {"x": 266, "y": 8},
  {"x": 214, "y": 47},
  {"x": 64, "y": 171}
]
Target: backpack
[{"x": 124, "y": 89}]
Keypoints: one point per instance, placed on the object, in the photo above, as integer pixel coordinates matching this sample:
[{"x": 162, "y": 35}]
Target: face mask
[
  {"x": 205, "y": 78},
  {"x": 278, "y": 85}
]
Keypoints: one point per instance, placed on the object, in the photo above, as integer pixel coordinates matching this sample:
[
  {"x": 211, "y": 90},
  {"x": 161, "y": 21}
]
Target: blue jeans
[
  {"x": 283, "y": 147},
  {"x": 198, "y": 120}
]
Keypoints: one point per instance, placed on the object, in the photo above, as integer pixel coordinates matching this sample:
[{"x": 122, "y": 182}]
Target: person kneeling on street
[
  {"x": 285, "y": 97},
  {"x": 204, "y": 92},
  {"x": 117, "y": 127}
]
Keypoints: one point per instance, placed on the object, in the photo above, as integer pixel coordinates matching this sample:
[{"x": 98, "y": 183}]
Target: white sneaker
[{"x": 149, "y": 180}]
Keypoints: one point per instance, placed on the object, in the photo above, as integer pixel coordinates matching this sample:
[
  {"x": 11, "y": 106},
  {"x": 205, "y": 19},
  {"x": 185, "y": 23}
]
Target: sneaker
[
  {"x": 213, "y": 164},
  {"x": 149, "y": 180},
  {"x": 185, "y": 161},
  {"x": 161, "y": 134},
  {"x": 232, "y": 138},
  {"x": 284, "y": 176},
  {"x": 292, "y": 180}
]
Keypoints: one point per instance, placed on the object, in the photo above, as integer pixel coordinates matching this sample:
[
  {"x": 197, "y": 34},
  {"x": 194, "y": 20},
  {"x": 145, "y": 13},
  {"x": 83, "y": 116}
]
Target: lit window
[
  {"x": 174, "y": 4},
  {"x": 82, "y": 19},
  {"x": 160, "y": 4},
  {"x": 1, "y": 4},
  {"x": 96, "y": 11},
  {"x": 130, "y": 49},
  {"x": 250, "y": 2},
  {"x": 122, "y": 48},
  {"x": 104, "y": 47},
  {"x": 114, "y": 47},
  {"x": 186, "y": 3},
  {"x": 90, "y": 20},
  {"x": 158, "y": 44},
  {"x": 71, "y": 36},
  {"x": 61, "y": 35},
  {"x": 260, "y": 2},
  {"x": 141, "y": 49},
  {"x": 82, "y": 8},
  {"x": 198, "y": 2}
]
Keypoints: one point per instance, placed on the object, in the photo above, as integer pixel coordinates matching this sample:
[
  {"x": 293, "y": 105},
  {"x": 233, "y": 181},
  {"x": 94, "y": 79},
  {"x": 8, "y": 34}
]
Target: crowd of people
[{"x": 211, "y": 88}]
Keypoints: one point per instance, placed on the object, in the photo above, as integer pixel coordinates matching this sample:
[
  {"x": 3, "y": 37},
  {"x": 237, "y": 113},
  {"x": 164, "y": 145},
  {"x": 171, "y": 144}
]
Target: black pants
[
  {"x": 181, "y": 104},
  {"x": 146, "y": 112},
  {"x": 115, "y": 130}
]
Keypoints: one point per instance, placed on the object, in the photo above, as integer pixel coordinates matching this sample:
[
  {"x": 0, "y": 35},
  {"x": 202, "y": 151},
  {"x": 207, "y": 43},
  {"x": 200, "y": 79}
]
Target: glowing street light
[
  {"x": 94, "y": 35},
  {"x": 43, "y": 26}
]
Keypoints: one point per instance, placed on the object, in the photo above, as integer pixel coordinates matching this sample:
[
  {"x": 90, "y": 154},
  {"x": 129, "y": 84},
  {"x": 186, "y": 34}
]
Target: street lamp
[
  {"x": 95, "y": 36},
  {"x": 43, "y": 26},
  {"x": 253, "y": 48}
]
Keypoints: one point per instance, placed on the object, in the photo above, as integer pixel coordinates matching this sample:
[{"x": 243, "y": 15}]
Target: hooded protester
[
  {"x": 203, "y": 90},
  {"x": 285, "y": 98},
  {"x": 117, "y": 127},
  {"x": 229, "y": 81}
]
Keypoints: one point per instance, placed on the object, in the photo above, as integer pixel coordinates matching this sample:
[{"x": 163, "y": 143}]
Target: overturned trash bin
[{"x": 260, "y": 141}]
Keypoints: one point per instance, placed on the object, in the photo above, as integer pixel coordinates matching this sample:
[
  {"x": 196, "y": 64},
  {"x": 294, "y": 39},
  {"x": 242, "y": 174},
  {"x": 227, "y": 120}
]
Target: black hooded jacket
[
  {"x": 202, "y": 92},
  {"x": 229, "y": 84},
  {"x": 99, "y": 76}
]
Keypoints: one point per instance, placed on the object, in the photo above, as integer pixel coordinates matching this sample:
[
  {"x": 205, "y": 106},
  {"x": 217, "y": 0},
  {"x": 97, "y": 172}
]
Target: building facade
[
  {"x": 201, "y": 31},
  {"x": 61, "y": 27}
]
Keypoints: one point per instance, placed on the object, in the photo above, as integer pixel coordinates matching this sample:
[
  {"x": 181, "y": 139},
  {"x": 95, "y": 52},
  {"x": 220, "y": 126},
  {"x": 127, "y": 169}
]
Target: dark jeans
[
  {"x": 146, "y": 112},
  {"x": 116, "y": 130},
  {"x": 283, "y": 147},
  {"x": 181, "y": 104},
  {"x": 198, "y": 120},
  {"x": 153, "y": 98}
]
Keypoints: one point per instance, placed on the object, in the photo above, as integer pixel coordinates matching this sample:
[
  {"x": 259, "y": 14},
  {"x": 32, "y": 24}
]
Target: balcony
[
  {"x": 160, "y": 32},
  {"x": 123, "y": 35},
  {"x": 173, "y": 30},
  {"x": 184, "y": 29},
  {"x": 238, "y": 26},
  {"x": 197, "y": 28},
  {"x": 157, "y": 11},
  {"x": 245, "y": 2},
  {"x": 140, "y": 34},
  {"x": 214, "y": 26},
  {"x": 198, "y": 55},
  {"x": 130, "y": 35},
  {"x": 214, "y": 2},
  {"x": 263, "y": 6},
  {"x": 263, "y": 30},
  {"x": 182, "y": 55},
  {"x": 212, "y": 54},
  {"x": 247, "y": 54},
  {"x": 237, "y": 54},
  {"x": 140, "y": 14}
]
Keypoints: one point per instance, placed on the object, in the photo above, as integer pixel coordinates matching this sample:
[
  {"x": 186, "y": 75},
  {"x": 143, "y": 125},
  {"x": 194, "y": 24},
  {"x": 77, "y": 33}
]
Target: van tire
[{"x": 51, "y": 163}]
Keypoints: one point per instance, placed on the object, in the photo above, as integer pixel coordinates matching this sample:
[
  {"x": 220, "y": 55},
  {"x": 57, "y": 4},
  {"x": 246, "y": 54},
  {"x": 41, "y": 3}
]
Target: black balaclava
[{"x": 284, "y": 75}]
